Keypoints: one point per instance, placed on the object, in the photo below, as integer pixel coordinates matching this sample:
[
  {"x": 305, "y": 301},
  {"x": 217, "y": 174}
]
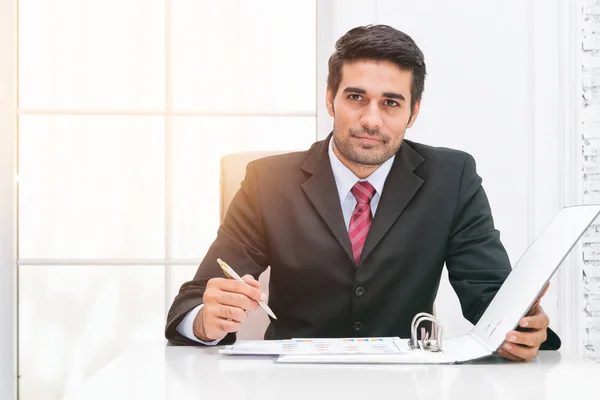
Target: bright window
[{"x": 125, "y": 109}]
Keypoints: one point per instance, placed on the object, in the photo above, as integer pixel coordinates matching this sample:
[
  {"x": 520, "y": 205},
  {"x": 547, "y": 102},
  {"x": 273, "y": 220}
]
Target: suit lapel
[
  {"x": 321, "y": 190},
  {"x": 399, "y": 188}
]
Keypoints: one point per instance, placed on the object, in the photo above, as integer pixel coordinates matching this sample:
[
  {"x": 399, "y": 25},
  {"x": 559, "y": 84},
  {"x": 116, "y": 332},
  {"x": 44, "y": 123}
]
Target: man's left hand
[{"x": 524, "y": 345}]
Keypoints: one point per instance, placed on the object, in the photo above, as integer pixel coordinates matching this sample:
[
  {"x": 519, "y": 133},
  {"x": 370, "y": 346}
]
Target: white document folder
[{"x": 512, "y": 302}]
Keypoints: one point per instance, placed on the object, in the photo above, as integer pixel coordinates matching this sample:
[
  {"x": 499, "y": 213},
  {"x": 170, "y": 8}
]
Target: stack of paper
[{"x": 337, "y": 346}]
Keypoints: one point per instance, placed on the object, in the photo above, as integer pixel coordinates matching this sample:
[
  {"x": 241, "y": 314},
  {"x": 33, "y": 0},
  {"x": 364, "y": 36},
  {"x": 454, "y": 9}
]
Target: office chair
[{"x": 233, "y": 170}]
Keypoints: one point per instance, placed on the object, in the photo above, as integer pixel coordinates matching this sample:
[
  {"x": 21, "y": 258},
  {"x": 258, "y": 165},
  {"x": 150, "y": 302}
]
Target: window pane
[
  {"x": 244, "y": 55},
  {"x": 198, "y": 145},
  {"x": 91, "y": 187},
  {"x": 179, "y": 275},
  {"x": 91, "y": 54},
  {"x": 74, "y": 319}
]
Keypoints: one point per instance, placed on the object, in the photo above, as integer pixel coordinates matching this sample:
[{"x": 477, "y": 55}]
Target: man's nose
[{"x": 371, "y": 117}]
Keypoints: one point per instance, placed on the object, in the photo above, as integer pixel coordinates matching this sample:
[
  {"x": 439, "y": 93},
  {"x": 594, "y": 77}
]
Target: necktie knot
[{"x": 363, "y": 192}]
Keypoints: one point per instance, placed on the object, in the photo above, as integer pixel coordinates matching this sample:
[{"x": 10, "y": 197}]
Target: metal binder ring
[
  {"x": 413, "y": 327},
  {"x": 437, "y": 326}
]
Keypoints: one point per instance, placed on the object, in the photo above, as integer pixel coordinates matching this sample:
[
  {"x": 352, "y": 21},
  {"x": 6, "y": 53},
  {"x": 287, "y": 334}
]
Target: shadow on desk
[
  {"x": 195, "y": 371},
  {"x": 255, "y": 377}
]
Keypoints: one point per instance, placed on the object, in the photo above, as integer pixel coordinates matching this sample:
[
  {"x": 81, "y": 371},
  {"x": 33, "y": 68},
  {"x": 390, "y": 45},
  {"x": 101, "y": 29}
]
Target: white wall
[
  {"x": 8, "y": 371},
  {"x": 590, "y": 158},
  {"x": 493, "y": 89}
]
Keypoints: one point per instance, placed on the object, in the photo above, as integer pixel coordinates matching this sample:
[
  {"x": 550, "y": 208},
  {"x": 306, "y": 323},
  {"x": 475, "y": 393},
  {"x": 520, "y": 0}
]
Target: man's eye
[
  {"x": 391, "y": 103},
  {"x": 355, "y": 97}
]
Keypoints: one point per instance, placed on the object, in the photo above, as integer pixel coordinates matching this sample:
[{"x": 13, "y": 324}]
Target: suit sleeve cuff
[
  {"x": 552, "y": 342},
  {"x": 186, "y": 327}
]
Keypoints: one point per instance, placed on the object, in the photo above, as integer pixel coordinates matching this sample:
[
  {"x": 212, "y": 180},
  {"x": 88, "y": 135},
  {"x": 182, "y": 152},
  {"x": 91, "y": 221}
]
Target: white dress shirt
[{"x": 344, "y": 180}]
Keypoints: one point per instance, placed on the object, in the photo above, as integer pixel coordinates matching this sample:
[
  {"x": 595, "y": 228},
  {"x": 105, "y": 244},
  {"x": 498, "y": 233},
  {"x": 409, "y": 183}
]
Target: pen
[{"x": 231, "y": 274}]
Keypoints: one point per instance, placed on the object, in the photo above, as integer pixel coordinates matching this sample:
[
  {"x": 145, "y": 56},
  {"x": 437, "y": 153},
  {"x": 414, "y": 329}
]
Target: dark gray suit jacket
[{"x": 287, "y": 214}]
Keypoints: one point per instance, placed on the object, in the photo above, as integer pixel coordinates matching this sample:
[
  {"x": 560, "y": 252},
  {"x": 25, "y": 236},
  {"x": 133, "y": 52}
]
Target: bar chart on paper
[
  {"x": 313, "y": 346},
  {"x": 342, "y": 346}
]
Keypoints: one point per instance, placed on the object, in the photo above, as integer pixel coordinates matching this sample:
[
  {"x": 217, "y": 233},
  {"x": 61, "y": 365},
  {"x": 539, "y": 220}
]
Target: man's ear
[
  {"x": 414, "y": 114},
  {"x": 329, "y": 102}
]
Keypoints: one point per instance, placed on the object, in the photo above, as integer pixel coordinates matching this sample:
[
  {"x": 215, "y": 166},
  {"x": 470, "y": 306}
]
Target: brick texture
[{"x": 590, "y": 131}]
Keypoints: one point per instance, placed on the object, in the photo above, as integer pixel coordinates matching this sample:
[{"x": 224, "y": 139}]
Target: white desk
[{"x": 156, "y": 371}]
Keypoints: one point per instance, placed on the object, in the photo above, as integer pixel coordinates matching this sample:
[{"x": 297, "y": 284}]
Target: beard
[{"x": 366, "y": 154}]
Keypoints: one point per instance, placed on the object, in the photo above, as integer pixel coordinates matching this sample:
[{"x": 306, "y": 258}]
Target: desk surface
[{"x": 156, "y": 371}]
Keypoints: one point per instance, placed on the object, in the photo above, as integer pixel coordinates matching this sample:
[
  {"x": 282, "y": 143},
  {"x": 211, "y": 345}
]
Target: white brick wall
[{"x": 591, "y": 173}]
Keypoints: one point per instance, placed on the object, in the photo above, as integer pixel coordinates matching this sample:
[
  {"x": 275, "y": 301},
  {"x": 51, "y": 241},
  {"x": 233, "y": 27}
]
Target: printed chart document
[
  {"x": 325, "y": 346},
  {"x": 512, "y": 302}
]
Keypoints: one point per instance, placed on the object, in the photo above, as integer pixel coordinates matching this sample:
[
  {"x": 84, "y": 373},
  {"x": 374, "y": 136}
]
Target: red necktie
[{"x": 360, "y": 222}]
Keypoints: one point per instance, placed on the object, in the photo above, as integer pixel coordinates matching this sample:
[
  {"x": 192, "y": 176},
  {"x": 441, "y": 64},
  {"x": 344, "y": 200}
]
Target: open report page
[
  {"x": 531, "y": 273},
  {"x": 516, "y": 296}
]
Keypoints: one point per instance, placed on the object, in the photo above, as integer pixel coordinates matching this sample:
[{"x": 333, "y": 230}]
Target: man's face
[{"x": 371, "y": 111}]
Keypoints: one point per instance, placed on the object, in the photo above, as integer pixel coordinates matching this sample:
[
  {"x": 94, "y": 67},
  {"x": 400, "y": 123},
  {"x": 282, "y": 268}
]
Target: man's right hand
[{"x": 226, "y": 305}]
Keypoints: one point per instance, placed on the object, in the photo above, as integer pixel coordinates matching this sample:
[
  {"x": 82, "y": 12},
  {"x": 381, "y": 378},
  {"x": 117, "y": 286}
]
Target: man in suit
[{"x": 357, "y": 228}]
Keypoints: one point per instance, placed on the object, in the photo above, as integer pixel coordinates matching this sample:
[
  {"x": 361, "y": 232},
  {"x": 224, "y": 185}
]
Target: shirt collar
[{"x": 345, "y": 179}]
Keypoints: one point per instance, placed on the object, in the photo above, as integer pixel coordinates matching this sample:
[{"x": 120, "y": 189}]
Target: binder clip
[{"x": 427, "y": 343}]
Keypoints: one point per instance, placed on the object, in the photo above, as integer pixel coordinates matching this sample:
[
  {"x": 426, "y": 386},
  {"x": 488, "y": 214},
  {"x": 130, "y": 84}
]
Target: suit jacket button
[
  {"x": 359, "y": 291},
  {"x": 357, "y": 326}
]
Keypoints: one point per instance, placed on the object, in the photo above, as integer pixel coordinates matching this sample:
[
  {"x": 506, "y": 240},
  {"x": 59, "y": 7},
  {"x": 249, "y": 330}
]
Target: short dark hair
[{"x": 381, "y": 43}]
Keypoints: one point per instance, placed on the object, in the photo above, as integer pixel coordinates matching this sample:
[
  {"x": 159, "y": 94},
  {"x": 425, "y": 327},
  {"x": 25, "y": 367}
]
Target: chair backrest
[{"x": 233, "y": 170}]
